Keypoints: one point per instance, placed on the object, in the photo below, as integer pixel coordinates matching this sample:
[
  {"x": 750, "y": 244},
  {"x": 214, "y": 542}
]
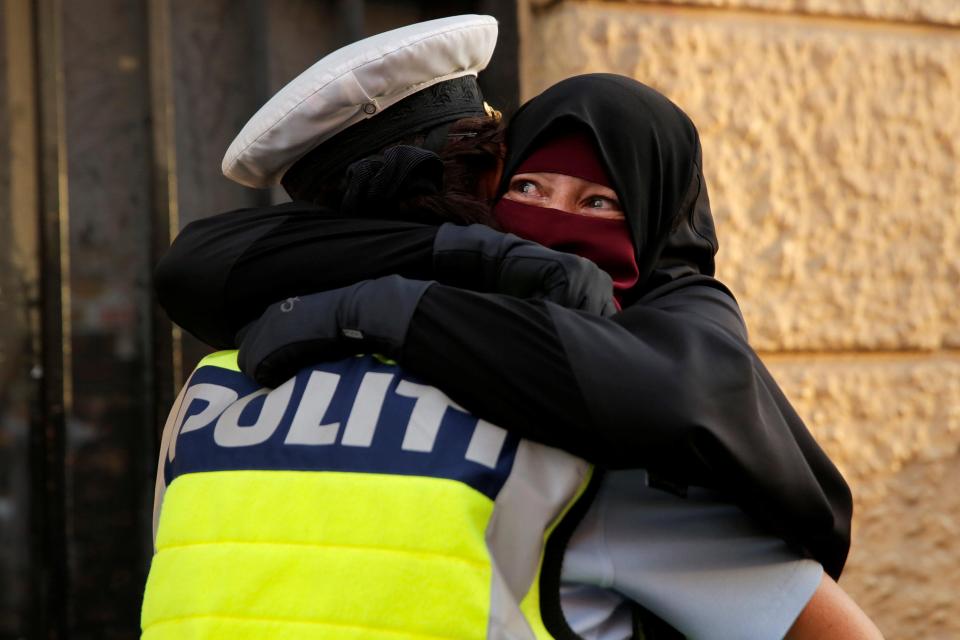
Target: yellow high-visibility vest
[{"x": 350, "y": 502}]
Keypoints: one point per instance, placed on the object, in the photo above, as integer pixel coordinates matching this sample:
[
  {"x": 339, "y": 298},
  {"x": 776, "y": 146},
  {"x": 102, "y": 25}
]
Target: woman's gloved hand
[
  {"x": 370, "y": 316},
  {"x": 482, "y": 259}
]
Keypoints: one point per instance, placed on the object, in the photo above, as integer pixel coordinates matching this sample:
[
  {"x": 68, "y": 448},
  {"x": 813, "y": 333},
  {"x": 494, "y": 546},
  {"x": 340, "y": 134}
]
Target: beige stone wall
[{"x": 831, "y": 134}]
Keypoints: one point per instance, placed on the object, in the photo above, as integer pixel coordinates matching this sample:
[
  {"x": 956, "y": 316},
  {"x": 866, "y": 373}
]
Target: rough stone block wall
[{"x": 831, "y": 135}]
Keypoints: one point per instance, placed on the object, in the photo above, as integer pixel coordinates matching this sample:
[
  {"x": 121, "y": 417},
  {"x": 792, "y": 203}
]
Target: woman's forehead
[
  {"x": 571, "y": 151},
  {"x": 564, "y": 180}
]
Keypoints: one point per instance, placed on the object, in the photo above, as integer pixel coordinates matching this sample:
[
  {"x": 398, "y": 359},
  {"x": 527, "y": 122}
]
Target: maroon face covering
[{"x": 605, "y": 242}]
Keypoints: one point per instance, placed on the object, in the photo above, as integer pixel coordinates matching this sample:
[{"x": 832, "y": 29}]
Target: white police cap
[{"x": 351, "y": 85}]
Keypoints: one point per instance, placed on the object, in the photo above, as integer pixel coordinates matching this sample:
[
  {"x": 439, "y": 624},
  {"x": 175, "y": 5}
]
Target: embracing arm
[
  {"x": 221, "y": 272},
  {"x": 578, "y": 381}
]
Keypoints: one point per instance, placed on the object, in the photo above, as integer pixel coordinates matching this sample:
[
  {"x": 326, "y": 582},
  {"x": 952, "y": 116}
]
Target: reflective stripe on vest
[{"x": 350, "y": 502}]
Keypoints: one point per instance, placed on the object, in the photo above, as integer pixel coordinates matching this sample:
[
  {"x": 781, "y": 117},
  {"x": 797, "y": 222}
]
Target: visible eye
[
  {"x": 600, "y": 202},
  {"x": 525, "y": 187}
]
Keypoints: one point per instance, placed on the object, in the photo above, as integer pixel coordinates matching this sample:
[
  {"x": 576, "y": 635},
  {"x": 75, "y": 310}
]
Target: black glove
[
  {"x": 479, "y": 258},
  {"x": 370, "y": 316}
]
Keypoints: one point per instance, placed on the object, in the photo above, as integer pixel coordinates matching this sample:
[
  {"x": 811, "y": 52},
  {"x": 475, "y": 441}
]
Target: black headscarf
[{"x": 652, "y": 152}]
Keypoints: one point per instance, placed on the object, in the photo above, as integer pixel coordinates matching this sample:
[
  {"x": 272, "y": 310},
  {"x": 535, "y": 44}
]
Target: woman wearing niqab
[{"x": 670, "y": 383}]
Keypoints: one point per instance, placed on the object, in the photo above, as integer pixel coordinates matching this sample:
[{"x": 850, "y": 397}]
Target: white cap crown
[{"x": 352, "y": 84}]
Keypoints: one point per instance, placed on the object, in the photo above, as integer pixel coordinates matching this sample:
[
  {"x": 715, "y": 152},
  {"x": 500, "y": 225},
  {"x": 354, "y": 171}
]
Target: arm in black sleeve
[
  {"x": 222, "y": 271},
  {"x": 670, "y": 385},
  {"x": 557, "y": 374}
]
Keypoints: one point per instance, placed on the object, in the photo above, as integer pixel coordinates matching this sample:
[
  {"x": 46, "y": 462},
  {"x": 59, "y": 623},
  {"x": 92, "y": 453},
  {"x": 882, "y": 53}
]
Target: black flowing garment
[{"x": 669, "y": 384}]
